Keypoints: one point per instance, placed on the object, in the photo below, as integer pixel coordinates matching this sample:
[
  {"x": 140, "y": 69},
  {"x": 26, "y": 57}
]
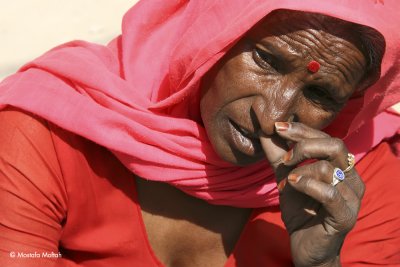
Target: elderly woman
[{"x": 187, "y": 139}]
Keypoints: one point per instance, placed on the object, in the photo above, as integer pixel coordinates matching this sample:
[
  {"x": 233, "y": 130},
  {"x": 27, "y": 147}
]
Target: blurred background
[{"x": 28, "y": 28}]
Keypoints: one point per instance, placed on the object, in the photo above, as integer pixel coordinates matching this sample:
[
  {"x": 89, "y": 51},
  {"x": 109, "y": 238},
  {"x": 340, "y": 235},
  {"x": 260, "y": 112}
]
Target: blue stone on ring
[{"x": 339, "y": 174}]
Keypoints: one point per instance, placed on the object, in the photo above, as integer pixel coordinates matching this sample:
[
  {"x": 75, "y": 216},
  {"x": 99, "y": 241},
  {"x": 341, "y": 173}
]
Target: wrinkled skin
[{"x": 263, "y": 80}]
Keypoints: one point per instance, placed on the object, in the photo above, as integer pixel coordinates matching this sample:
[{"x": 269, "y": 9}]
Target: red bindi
[{"x": 313, "y": 66}]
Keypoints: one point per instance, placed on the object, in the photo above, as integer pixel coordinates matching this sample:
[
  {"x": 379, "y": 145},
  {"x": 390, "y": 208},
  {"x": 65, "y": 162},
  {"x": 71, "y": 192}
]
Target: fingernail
[
  {"x": 288, "y": 156},
  {"x": 294, "y": 178},
  {"x": 281, "y": 185},
  {"x": 282, "y": 126}
]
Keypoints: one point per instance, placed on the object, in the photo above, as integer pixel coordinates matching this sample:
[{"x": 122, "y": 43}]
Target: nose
[{"x": 276, "y": 105}]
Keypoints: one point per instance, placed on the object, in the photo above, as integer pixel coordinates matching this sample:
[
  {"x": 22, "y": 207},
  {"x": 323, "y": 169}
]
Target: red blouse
[{"x": 61, "y": 192}]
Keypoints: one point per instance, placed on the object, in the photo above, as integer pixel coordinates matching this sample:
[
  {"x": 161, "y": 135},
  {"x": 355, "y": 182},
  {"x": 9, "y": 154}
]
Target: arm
[{"x": 33, "y": 200}]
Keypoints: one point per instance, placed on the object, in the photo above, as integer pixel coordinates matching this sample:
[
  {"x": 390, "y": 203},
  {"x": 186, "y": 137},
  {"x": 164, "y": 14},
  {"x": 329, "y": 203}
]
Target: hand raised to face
[{"x": 316, "y": 213}]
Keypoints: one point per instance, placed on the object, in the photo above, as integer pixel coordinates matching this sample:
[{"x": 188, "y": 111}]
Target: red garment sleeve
[{"x": 33, "y": 200}]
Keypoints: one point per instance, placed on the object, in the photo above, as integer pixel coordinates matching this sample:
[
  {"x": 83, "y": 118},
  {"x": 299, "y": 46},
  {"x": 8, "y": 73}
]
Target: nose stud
[{"x": 313, "y": 66}]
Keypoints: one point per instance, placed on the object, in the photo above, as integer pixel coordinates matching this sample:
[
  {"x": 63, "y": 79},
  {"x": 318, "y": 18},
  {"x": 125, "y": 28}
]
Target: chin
[
  {"x": 234, "y": 156},
  {"x": 232, "y": 145}
]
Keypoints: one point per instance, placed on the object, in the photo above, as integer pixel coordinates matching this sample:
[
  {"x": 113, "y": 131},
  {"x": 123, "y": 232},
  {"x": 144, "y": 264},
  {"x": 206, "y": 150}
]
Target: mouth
[
  {"x": 244, "y": 132},
  {"x": 244, "y": 140}
]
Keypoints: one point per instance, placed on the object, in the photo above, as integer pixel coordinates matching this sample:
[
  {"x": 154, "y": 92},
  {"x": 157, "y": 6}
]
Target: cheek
[
  {"x": 215, "y": 125},
  {"x": 313, "y": 116},
  {"x": 225, "y": 83},
  {"x": 211, "y": 103}
]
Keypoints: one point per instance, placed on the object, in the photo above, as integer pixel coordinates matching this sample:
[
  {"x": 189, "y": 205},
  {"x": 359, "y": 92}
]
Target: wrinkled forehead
[
  {"x": 280, "y": 22},
  {"x": 355, "y": 36}
]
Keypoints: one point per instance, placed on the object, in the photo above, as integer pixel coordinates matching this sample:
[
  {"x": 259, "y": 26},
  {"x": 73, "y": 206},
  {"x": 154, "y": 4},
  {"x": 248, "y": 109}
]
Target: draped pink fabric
[{"x": 138, "y": 96}]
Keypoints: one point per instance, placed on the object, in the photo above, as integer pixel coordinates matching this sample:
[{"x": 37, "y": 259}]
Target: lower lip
[{"x": 246, "y": 145}]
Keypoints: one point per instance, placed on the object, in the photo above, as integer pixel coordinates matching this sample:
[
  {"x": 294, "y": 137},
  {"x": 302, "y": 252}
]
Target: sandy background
[{"x": 28, "y": 28}]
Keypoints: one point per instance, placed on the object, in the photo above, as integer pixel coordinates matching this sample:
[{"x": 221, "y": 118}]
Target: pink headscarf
[{"x": 138, "y": 95}]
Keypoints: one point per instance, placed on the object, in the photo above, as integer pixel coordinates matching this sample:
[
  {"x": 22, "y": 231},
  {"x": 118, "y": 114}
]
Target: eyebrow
[
  {"x": 282, "y": 53},
  {"x": 280, "y": 50}
]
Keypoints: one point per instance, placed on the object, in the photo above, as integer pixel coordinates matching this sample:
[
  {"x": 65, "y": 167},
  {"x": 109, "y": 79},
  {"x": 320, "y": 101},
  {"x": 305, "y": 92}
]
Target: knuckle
[
  {"x": 337, "y": 145},
  {"x": 349, "y": 220},
  {"x": 298, "y": 128},
  {"x": 346, "y": 220},
  {"x": 346, "y": 226},
  {"x": 307, "y": 185},
  {"x": 338, "y": 142},
  {"x": 331, "y": 195},
  {"x": 298, "y": 149},
  {"x": 301, "y": 144},
  {"x": 324, "y": 167},
  {"x": 325, "y": 135},
  {"x": 296, "y": 125}
]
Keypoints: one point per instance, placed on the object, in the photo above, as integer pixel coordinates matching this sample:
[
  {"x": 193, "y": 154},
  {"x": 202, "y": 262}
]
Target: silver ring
[
  {"x": 337, "y": 176},
  {"x": 351, "y": 160}
]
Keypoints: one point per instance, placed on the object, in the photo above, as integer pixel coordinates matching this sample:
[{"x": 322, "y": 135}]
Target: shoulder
[
  {"x": 26, "y": 143},
  {"x": 33, "y": 200},
  {"x": 28, "y": 159},
  {"x": 18, "y": 128}
]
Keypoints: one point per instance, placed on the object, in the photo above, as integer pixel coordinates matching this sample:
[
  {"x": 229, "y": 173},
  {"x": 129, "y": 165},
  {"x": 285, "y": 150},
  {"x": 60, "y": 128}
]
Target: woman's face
[{"x": 264, "y": 79}]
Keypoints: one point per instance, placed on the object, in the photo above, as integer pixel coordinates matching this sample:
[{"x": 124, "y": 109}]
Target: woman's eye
[
  {"x": 263, "y": 58},
  {"x": 322, "y": 98}
]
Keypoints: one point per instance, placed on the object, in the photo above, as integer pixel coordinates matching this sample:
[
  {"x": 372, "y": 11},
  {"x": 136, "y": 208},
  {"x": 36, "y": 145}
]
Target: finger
[
  {"x": 331, "y": 149},
  {"x": 296, "y": 131},
  {"x": 296, "y": 201},
  {"x": 323, "y": 171},
  {"x": 342, "y": 217}
]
